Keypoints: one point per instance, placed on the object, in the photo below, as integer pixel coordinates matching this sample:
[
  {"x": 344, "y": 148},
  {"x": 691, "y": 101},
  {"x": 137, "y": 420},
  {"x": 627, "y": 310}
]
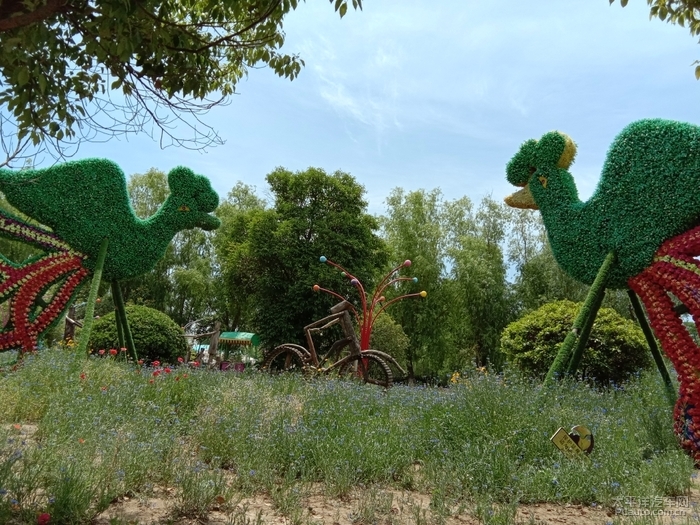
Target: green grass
[{"x": 106, "y": 428}]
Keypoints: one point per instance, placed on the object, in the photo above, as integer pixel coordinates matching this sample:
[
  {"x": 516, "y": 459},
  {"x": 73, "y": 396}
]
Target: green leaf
[
  {"x": 23, "y": 76},
  {"x": 343, "y": 10},
  {"x": 697, "y": 72}
]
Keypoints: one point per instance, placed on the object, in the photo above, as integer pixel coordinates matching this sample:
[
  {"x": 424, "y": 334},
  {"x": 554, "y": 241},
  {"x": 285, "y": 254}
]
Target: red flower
[
  {"x": 101, "y": 352},
  {"x": 83, "y": 376},
  {"x": 113, "y": 351},
  {"x": 43, "y": 519},
  {"x": 195, "y": 363},
  {"x": 156, "y": 363},
  {"x": 167, "y": 370},
  {"x": 123, "y": 349},
  {"x": 180, "y": 360},
  {"x": 156, "y": 373}
]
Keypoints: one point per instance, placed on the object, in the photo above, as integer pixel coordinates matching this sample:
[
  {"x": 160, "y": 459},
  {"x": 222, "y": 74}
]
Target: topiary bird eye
[{"x": 184, "y": 207}]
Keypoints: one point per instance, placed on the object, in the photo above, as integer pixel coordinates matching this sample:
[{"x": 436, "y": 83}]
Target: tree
[
  {"x": 237, "y": 213},
  {"x": 274, "y": 256},
  {"x": 79, "y": 70},
  {"x": 679, "y": 12},
  {"x": 458, "y": 259},
  {"x": 482, "y": 303},
  {"x": 421, "y": 226}
]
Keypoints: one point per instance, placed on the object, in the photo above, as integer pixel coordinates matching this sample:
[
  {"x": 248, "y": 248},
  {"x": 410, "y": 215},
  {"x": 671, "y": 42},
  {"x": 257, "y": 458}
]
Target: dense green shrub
[
  {"x": 616, "y": 348},
  {"x": 156, "y": 336},
  {"x": 388, "y": 336}
]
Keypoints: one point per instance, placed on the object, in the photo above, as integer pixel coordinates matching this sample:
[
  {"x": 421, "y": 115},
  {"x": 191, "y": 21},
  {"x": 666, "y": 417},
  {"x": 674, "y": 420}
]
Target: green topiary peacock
[
  {"x": 93, "y": 229},
  {"x": 85, "y": 201},
  {"x": 640, "y": 229}
]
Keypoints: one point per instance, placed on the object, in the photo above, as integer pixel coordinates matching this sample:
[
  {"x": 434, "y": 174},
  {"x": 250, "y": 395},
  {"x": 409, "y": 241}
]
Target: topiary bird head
[
  {"x": 541, "y": 165},
  {"x": 193, "y": 199}
]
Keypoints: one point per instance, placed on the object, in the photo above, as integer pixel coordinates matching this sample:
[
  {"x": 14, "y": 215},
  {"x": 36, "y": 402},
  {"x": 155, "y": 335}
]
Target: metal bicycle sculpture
[{"x": 348, "y": 357}]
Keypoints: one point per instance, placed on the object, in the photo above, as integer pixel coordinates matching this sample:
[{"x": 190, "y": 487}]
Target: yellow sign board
[{"x": 568, "y": 446}]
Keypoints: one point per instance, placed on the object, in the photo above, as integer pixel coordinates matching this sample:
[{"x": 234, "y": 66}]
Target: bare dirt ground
[
  {"x": 381, "y": 506},
  {"x": 386, "y": 507}
]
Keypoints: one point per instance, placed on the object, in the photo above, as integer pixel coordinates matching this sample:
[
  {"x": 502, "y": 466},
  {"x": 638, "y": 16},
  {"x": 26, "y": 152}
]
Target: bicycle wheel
[
  {"x": 367, "y": 368},
  {"x": 398, "y": 374},
  {"x": 284, "y": 359}
]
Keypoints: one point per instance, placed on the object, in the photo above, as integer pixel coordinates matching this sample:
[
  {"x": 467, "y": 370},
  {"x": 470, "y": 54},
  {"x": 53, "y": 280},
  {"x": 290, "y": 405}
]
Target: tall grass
[{"x": 76, "y": 434}]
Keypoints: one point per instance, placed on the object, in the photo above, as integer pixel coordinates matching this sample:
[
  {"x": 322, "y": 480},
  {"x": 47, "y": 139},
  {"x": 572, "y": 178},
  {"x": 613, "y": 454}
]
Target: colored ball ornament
[
  {"x": 354, "y": 282},
  {"x": 424, "y": 293},
  {"x": 316, "y": 288},
  {"x": 407, "y": 262},
  {"x": 415, "y": 279},
  {"x": 322, "y": 258}
]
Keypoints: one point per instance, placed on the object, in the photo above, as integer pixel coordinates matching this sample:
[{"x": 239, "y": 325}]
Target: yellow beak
[{"x": 522, "y": 199}]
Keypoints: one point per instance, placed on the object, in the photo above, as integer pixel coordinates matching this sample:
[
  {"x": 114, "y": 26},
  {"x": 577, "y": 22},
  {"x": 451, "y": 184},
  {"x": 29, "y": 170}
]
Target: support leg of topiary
[
  {"x": 651, "y": 341},
  {"x": 120, "y": 328},
  {"x": 585, "y": 333},
  {"x": 586, "y": 315},
  {"x": 92, "y": 298},
  {"x": 122, "y": 320}
]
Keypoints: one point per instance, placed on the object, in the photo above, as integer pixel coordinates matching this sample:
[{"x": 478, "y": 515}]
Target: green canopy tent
[{"x": 244, "y": 343}]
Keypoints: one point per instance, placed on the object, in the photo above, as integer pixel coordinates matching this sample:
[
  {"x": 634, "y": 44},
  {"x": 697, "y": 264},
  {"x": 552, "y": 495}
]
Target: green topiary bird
[
  {"x": 87, "y": 200},
  {"x": 649, "y": 191},
  {"x": 93, "y": 231},
  {"x": 640, "y": 228}
]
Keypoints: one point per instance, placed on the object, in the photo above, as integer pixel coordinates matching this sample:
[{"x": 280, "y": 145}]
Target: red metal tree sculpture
[{"x": 374, "y": 306}]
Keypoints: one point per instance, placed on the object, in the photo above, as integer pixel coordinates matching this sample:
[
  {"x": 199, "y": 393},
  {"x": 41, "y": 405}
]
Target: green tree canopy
[
  {"x": 75, "y": 70},
  {"x": 237, "y": 213},
  {"x": 482, "y": 304},
  {"x": 273, "y": 254}
]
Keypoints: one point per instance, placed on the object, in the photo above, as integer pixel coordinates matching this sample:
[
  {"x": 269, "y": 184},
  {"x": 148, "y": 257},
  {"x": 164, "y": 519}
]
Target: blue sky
[{"x": 425, "y": 94}]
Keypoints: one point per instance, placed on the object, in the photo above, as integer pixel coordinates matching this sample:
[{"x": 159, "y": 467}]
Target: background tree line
[{"x": 483, "y": 265}]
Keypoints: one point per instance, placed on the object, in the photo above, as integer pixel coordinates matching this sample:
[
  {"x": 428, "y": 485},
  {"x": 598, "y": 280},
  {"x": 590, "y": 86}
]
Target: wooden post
[
  {"x": 214, "y": 344},
  {"x": 69, "y": 329}
]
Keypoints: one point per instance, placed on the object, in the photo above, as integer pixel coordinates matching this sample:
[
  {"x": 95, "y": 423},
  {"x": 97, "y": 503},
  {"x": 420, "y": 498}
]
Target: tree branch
[{"x": 13, "y": 20}]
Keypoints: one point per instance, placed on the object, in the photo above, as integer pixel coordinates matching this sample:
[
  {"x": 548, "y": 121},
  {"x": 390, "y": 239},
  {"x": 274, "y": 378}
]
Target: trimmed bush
[
  {"x": 616, "y": 348},
  {"x": 388, "y": 336},
  {"x": 156, "y": 336}
]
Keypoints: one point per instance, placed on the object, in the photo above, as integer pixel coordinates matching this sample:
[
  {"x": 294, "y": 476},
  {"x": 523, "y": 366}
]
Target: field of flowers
[{"x": 104, "y": 429}]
